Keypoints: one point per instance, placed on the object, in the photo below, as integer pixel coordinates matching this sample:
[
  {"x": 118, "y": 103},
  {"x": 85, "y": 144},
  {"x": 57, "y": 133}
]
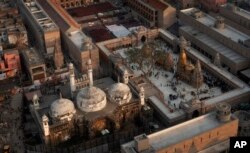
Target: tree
[{"x": 146, "y": 57}]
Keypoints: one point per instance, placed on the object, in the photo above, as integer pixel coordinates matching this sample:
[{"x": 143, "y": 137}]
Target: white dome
[
  {"x": 91, "y": 99},
  {"x": 119, "y": 93},
  {"x": 62, "y": 109}
]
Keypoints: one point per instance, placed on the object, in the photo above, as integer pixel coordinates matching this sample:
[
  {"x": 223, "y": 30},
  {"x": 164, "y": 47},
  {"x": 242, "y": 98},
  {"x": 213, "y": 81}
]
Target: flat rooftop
[
  {"x": 39, "y": 15},
  {"x": 181, "y": 132},
  {"x": 118, "y": 30},
  {"x": 209, "y": 21},
  {"x": 217, "y": 46},
  {"x": 77, "y": 37},
  {"x": 54, "y": 15},
  {"x": 32, "y": 57},
  {"x": 91, "y": 9},
  {"x": 100, "y": 33},
  {"x": 239, "y": 11}
]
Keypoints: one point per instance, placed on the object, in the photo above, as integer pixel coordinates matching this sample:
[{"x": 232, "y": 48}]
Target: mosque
[{"x": 93, "y": 108}]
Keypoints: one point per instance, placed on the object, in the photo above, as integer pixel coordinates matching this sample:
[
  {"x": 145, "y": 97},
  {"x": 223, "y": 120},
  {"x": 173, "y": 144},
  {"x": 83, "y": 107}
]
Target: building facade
[
  {"x": 218, "y": 127},
  {"x": 212, "y": 5},
  {"x": 153, "y": 13},
  {"x": 34, "y": 64},
  {"x": 44, "y": 34},
  {"x": 183, "y": 4}
]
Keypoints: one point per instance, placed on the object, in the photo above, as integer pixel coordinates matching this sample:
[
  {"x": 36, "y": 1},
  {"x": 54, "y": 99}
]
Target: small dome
[
  {"x": 91, "y": 99},
  {"x": 119, "y": 93},
  {"x": 147, "y": 50},
  {"x": 62, "y": 109}
]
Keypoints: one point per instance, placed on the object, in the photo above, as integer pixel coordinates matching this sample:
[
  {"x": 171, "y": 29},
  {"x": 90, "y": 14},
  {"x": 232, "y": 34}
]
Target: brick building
[
  {"x": 153, "y": 13},
  {"x": 10, "y": 64}
]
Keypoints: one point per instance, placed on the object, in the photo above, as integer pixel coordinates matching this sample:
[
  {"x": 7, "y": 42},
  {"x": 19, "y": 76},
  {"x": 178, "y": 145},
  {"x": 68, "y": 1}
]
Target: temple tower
[
  {"x": 58, "y": 56},
  {"x": 197, "y": 75},
  {"x": 217, "y": 61}
]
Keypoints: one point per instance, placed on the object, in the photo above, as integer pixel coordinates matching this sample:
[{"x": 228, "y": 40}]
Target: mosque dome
[
  {"x": 62, "y": 109},
  {"x": 147, "y": 50},
  {"x": 119, "y": 93},
  {"x": 91, "y": 99}
]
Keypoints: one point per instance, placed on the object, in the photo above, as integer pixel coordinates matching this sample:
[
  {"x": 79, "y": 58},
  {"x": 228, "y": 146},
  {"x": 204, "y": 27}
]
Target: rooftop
[
  {"x": 181, "y": 132},
  {"x": 77, "y": 37},
  {"x": 39, "y": 15},
  {"x": 54, "y": 15},
  {"x": 239, "y": 11},
  {"x": 157, "y": 4},
  {"x": 118, "y": 30},
  {"x": 91, "y": 9},
  {"x": 209, "y": 21},
  {"x": 100, "y": 33},
  {"x": 32, "y": 57},
  {"x": 220, "y": 48}
]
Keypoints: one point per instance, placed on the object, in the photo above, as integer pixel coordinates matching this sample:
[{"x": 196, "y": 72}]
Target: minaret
[
  {"x": 142, "y": 96},
  {"x": 197, "y": 75},
  {"x": 45, "y": 124},
  {"x": 125, "y": 76},
  {"x": 58, "y": 57},
  {"x": 35, "y": 101},
  {"x": 72, "y": 79},
  {"x": 217, "y": 60},
  {"x": 90, "y": 72}
]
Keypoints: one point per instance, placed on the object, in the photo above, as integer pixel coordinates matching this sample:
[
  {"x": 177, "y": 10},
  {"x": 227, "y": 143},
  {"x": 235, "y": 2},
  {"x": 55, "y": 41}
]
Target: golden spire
[{"x": 183, "y": 57}]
